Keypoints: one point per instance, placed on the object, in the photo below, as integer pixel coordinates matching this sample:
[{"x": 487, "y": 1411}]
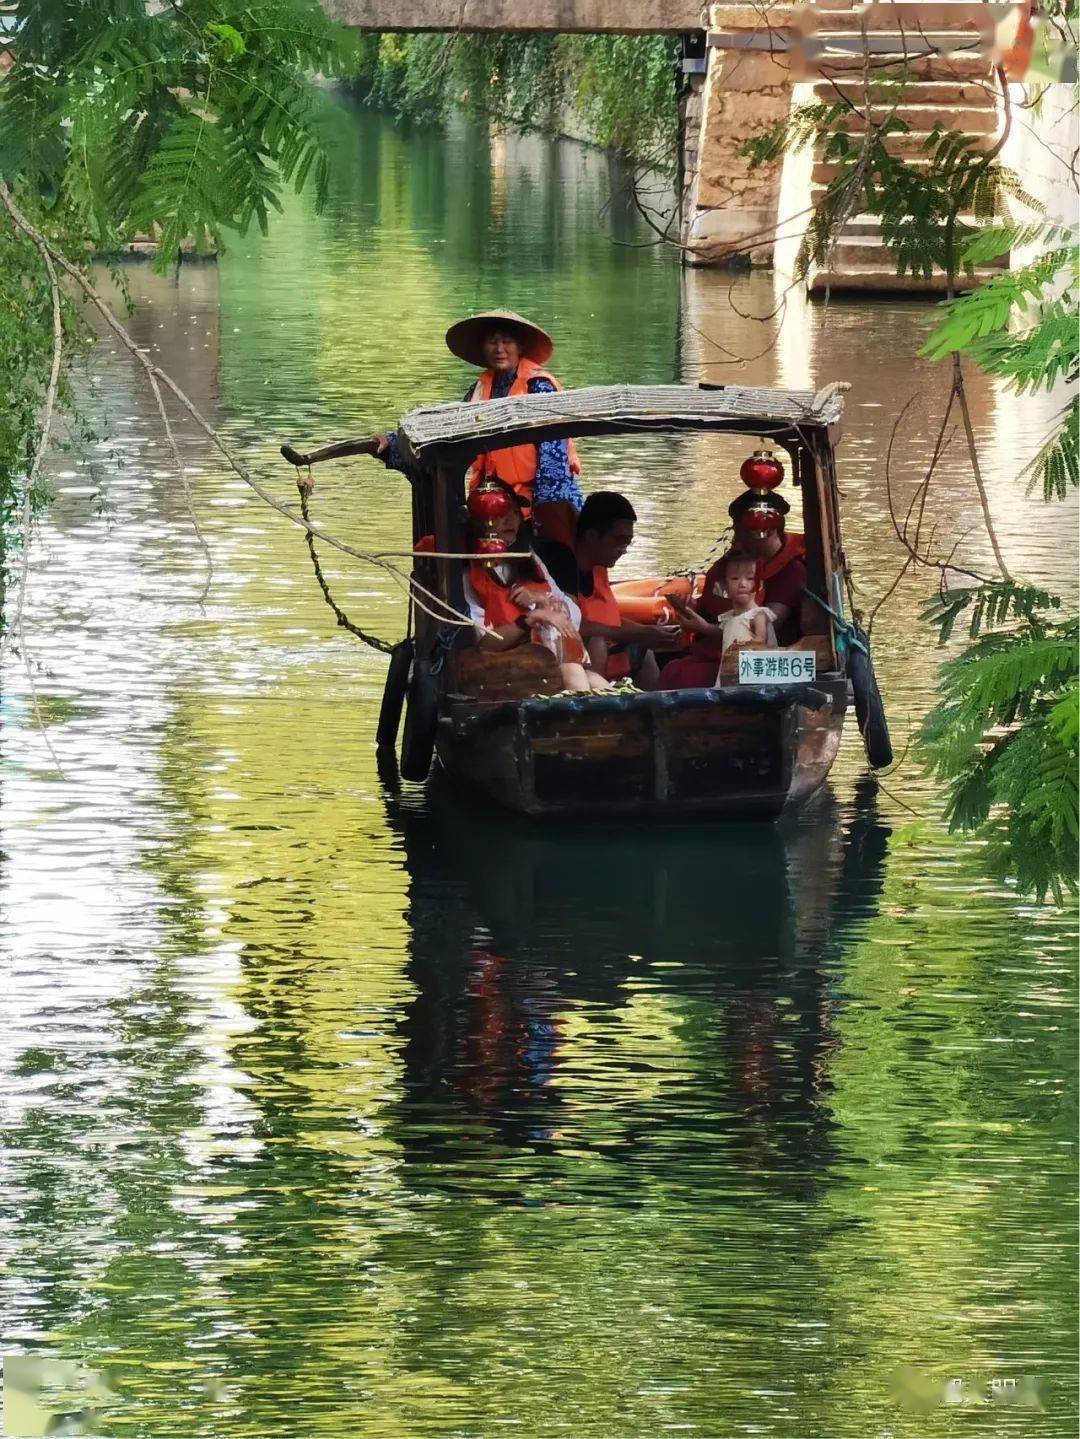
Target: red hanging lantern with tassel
[
  {"x": 489, "y": 502},
  {"x": 762, "y": 471},
  {"x": 760, "y": 519}
]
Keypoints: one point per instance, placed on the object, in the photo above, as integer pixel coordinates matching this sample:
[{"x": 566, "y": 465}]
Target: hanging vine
[{"x": 621, "y": 86}]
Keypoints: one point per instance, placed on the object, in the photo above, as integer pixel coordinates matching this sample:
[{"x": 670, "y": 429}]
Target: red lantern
[
  {"x": 762, "y": 471},
  {"x": 488, "y": 545},
  {"x": 486, "y": 505},
  {"x": 760, "y": 519}
]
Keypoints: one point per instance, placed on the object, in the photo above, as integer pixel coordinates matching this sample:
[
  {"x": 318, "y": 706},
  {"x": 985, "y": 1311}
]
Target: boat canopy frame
[{"x": 454, "y": 434}]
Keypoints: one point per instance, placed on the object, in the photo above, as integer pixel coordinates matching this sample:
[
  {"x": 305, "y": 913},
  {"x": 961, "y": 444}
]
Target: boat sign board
[{"x": 776, "y": 667}]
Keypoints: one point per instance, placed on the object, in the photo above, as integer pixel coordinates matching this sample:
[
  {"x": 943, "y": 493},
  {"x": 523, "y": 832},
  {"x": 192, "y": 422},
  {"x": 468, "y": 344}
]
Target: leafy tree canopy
[
  {"x": 120, "y": 117},
  {"x": 179, "y": 119},
  {"x": 621, "y": 85},
  {"x": 1005, "y": 736}
]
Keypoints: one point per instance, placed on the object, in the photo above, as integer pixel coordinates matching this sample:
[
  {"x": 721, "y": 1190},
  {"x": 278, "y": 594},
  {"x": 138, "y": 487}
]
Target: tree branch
[
  {"x": 450, "y": 615},
  {"x": 26, "y": 512}
]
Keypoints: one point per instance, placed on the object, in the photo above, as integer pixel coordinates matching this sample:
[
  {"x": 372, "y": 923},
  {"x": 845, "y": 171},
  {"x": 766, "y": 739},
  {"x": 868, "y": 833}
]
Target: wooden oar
[{"x": 336, "y": 451}]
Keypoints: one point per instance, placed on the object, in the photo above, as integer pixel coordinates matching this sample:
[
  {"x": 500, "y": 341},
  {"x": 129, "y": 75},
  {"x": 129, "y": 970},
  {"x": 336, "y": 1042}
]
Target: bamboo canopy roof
[{"x": 465, "y": 429}]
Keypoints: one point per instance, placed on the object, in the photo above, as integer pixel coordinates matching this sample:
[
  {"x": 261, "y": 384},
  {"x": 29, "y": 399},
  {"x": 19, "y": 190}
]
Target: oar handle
[{"x": 368, "y": 445}]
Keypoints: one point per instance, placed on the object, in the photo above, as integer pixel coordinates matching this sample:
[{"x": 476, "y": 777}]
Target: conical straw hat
[{"x": 466, "y": 338}]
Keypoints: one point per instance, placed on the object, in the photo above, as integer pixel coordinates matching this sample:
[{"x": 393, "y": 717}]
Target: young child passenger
[{"x": 746, "y": 622}]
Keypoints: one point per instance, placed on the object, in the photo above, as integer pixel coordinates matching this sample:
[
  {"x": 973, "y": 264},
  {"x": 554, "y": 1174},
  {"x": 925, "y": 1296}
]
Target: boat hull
[{"x": 742, "y": 752}]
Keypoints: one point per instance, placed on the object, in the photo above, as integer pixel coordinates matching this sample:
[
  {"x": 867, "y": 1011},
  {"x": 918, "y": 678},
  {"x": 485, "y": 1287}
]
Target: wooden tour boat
[{"x": 496, "y": 720}]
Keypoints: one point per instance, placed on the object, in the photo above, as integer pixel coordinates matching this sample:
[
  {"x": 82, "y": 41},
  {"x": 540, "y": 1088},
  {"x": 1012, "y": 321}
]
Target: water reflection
[
  {"x": 332, "y": 1112},
  {"x": 523, "y": 937}
]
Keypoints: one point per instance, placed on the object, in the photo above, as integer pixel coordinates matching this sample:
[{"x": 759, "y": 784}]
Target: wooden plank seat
[{"x": 490, "y": 678}]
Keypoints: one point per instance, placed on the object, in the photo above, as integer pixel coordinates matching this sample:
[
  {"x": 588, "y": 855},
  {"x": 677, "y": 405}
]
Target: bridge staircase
[{"x": 953, "y": 88}]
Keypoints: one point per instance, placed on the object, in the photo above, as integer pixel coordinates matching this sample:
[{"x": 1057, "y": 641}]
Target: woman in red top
[{"x": 781, "y": 561}]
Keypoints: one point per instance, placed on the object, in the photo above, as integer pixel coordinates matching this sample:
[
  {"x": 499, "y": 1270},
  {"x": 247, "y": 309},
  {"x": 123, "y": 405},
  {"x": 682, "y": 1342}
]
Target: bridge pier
[
  {"x": 764, "y": 57},
  {"x": 729, "y": 212}
]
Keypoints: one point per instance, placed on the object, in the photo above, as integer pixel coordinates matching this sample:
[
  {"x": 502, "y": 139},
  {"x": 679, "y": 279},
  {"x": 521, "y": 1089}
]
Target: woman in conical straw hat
[{"x": 511, "y": 353}]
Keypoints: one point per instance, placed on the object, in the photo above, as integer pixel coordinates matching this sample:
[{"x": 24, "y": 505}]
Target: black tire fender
[
  {"x": 869, "y": 710},
  {"x": 421, "y": 719},
  {"x": 395, "y": 689}
]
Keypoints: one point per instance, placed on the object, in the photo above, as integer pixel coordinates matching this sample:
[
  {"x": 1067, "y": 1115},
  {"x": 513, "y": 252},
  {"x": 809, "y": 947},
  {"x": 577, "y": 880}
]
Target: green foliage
[
  {"x": 186, "y": 121},
  {"x": 802, "y": 126},
  {"x": 118, "y": 118},
  {"x": 1021, "y": 327},
  {"x": 918, "y": 199},
  {"x": 1002, "y": 676},
  {"x": 1057, "y": 462},
  {"x": 621, "y": 85},
  {"x": 1005, "y": 733},
  {"x": 407, "y": 74},
  {"x": 624, "y": 87},
  {"x": 26, "y": 344},
  {"x": 984, "y": 323},
  {"x": 510, "y": 78},
  {"x": 988, "y": 606},
  {"x": 1015, "y": 781},
  {"x": 1004, "y": 737},
  {"x": 994, "y": 241}
]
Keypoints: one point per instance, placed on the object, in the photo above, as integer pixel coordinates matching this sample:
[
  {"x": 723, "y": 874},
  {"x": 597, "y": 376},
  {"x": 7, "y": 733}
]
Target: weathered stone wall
[
  {"x": 691, "y": 108},
  {"x": 626, "y": 17},
  {"x": 1041, "y": 148},
  {"x": 729, "y": 210},
  {"x": 758, "y": 53}
]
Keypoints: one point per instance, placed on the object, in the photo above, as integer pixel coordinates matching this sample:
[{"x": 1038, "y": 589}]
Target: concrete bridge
[
  {"x": 744, "y": 65},
  {"x": 616, "y": 17}
]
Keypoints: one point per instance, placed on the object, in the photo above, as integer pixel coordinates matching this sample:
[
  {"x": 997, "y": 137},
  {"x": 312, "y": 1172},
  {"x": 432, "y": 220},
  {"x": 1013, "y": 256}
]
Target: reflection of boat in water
[{"x": 518, "y": 933}]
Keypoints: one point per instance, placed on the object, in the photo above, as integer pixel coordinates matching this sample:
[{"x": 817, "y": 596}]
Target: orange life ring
[{"x": 646, "y": 602}]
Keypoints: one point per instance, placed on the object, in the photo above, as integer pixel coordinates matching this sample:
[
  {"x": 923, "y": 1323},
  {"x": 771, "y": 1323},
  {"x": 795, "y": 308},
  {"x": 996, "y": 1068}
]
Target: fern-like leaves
[
  {"x": 988, "y": 607},
  {"x": 1005, "y": 739},
  {"x": 185, "y": 121},
  {"x": 1056, "y": 466}
]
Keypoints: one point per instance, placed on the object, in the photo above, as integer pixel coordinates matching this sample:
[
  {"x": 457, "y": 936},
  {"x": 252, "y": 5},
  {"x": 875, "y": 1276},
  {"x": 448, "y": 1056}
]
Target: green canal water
[{"x": 334, "y": 1108}]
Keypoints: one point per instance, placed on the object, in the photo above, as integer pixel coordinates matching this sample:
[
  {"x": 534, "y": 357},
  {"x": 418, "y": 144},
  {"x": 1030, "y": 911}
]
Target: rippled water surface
[{"x": 333, "y": 1108}]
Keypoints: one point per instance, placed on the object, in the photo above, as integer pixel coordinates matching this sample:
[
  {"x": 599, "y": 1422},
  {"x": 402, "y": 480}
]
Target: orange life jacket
[
  {"x": 516, "y": 465},
  {"x": 603, "y": 609},
  {"x": 499, "y": 609}
]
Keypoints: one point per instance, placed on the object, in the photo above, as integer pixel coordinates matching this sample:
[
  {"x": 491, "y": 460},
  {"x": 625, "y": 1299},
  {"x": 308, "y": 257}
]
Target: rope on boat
[
  {"x": 383, "y": 646},
  {"x": 719, "y": 547},
  {"x": 849, "y": 633},
  {"x": 418, "y": 594}
]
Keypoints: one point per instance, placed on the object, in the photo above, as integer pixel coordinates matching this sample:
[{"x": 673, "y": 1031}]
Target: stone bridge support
[
  {"x": 744, "y": 63},
  {"x": 730, "y": 211}
]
